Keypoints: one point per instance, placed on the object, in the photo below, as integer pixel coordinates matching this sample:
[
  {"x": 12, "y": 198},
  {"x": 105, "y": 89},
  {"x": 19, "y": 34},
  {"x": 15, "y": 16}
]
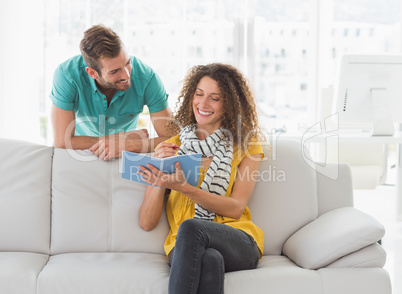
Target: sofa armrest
[
  {"x": 331, "y": 236},
  {"x": 371, "y": 256}
]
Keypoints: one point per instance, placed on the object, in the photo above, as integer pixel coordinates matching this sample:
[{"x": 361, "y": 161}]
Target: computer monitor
[{"x": 369, "y": 91}]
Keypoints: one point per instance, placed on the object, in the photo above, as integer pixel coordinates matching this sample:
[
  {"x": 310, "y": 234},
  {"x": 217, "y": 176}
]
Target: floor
[{"x": 381, "y": 204}]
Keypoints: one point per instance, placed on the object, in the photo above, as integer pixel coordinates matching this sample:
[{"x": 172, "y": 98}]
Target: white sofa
[{"x": 69, "y": 225}]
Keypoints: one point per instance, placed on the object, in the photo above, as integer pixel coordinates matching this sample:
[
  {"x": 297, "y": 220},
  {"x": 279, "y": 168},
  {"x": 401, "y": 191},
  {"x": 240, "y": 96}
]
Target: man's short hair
[{"x": 99, "y": 42}]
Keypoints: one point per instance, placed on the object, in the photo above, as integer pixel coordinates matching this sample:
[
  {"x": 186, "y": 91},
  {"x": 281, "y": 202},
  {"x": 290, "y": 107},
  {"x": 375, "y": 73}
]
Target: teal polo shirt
[{"x": 74, "y": 89}]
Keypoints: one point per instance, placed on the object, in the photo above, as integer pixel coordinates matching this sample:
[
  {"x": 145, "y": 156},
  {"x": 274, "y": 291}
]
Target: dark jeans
[{"x": 204, "y": 251}]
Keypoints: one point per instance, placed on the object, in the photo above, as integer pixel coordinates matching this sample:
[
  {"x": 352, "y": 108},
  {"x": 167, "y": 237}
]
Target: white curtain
[{"x": 21, "y": 68}]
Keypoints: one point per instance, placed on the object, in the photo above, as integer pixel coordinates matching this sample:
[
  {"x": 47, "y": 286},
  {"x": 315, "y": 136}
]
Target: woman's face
[{"x": 208, "y": 105}]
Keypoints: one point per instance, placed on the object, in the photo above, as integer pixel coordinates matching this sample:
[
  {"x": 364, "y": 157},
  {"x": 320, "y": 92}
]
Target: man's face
[{"x": 116, "y": 72}]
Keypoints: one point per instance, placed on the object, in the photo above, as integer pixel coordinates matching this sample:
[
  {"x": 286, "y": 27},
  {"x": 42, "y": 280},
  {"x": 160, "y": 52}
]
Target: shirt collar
[
  {"x": 95, "y": 89},
  {"x": 93, "y": 85}
]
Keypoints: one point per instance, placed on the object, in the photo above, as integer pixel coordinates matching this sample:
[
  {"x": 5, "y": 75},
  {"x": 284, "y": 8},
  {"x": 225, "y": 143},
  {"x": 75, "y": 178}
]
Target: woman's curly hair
[{"x": 239, "y": 109}]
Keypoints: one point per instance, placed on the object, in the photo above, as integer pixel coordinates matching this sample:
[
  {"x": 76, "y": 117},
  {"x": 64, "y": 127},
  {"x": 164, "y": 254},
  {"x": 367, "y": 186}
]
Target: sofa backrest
[
  {"x": 25, "y": 170},
  {"x": 94, "y": 209},
  {"x": 285, "y": 197}
]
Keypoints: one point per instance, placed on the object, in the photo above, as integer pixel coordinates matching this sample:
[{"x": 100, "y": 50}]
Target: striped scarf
[{"x": 220, "y": 146}]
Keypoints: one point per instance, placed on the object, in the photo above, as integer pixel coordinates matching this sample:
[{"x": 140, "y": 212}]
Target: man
[{"x": 97, "y": 98}]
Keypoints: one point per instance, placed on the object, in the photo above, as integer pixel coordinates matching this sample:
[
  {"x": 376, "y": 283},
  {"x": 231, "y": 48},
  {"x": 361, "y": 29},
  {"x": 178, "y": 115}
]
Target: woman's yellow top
[{"x": 179, "y": 207}]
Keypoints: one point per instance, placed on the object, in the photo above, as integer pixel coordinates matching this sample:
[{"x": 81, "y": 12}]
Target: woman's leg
[
  {"x": 189, "y": 267},
  {"x": 212, "y": 272},
  {"x": 211, "y": 276}
]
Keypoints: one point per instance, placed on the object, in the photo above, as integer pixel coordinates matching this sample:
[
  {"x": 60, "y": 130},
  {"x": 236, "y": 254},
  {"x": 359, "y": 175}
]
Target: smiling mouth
[
  {"x": 204, "y": 112},
  {"x": 123, "y": 82}
]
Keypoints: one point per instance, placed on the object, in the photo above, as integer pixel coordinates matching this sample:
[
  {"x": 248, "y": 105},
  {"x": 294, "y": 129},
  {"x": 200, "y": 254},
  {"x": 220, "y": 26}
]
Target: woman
[{"x": 209, "y": 234}]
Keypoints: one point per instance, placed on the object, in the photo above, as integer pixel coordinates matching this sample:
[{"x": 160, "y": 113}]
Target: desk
[{"x": 335, "y": 136}]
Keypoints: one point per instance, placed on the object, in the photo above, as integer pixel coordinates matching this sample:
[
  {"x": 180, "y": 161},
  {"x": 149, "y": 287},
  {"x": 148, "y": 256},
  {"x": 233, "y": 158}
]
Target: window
[
  {"x": 377, "y": 30},
  {"x": 281, "y": 28},
  {"x": 288, "y": 49}
]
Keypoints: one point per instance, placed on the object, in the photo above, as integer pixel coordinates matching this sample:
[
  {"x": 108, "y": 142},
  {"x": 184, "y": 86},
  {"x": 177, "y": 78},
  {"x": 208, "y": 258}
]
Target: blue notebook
[{"x": 189, "y": 163}]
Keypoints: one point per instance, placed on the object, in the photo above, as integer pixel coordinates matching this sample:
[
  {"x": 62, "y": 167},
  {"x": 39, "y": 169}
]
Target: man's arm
[
  {"x": 63, "y": 123},
  {"x": 160, "y": 119},
  {"x": 134, "y": 141},
  {"x": 62, "y": 116}
]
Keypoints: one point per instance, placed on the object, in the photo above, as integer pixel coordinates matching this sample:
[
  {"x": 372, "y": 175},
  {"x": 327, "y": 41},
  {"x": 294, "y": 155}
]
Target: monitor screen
[{"x": 369, "y": 91}]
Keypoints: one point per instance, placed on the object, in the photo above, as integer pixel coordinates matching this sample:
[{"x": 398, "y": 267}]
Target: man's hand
[{"x": 112, "y": 146}]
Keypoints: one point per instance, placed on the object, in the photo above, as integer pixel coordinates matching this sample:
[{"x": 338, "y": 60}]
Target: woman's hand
[
  {"x": 165, "y": 149},
  {"x": 154, "y": 176}
]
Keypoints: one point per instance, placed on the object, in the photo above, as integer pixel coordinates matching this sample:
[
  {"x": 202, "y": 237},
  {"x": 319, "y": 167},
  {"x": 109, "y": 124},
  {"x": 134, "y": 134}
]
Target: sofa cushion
[
  {"x": 25, "y": 182},
  {"x": 95, "y": 210},
  {"x": 274, "y": 274},
  {"x": 19, "y": 271},
  {"x": 105, "y": 273},
  {"x": 332, "y": 236},
  {"x": 354, "y": 280},
  {"x": 285, "y": 197}
]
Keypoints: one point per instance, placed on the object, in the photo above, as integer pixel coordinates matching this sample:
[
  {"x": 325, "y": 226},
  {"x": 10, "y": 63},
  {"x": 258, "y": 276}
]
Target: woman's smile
[{"x": 205, "y": 113}]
